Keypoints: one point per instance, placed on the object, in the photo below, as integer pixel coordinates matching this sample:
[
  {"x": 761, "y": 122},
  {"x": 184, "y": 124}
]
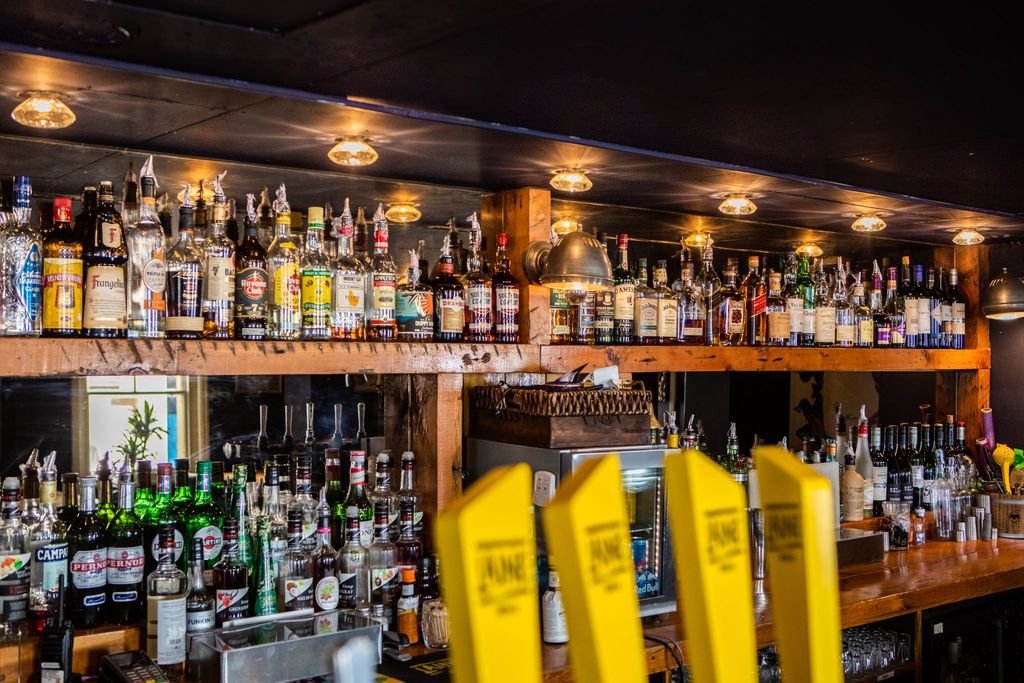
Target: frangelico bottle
[
  {"x": 251, "y": 279},
  {"x": 104, "y": 256}
]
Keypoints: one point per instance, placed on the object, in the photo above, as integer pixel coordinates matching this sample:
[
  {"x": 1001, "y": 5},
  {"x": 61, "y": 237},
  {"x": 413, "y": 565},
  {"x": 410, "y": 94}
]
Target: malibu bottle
[
  {"x": 231, "y": 579},
  {"x": 87, "y": 550},
  {"x": 126, "y": 560}
]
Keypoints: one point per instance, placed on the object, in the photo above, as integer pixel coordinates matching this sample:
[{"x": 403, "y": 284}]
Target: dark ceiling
[{"x": 885, "y": 98}]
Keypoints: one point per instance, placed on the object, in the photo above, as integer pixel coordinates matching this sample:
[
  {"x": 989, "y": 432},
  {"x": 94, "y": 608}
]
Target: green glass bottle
[
  {"x": 143, "y": 489},
  {"x": 240, "y": 511},
  {"x": 105, "y": 508},
  {"x": 160, "y": 512},
  {"x": 357, "y": 497},
  {"x": 204, "y": 520},
  {"x": 126, "y": 559},
  {"x": 182, "y": 499},
  {"x": 218, "y": 490},
  {"x": 805, "y": 285},
  {"x": 263, "y": 582}
]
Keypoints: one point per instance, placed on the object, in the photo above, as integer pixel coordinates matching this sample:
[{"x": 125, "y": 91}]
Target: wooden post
[{"x": 525, "y": 214}]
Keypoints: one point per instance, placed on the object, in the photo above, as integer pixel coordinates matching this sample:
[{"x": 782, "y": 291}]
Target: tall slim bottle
[
  {"x": 105, "y": 307},
  {"x": 449, "y": 299},
  {"x": 385, "y": 582},
  {"x": 506, "y": 296},
  {"x": 805, "y": 285},
  {"x": 881, "y": 321},
  {"x": 357, "y": 496},
  {"x": 185, "y": 277},
  {"x": 219, "y": 294},
  {"x": 383, "y": 280},
  {"x": 407, "y": 491},
  {"x": 625, "y": 291},
  {"x": 353, "y": 565},
  {"x": 204, "y": 521},
  {"x": 21, "y": 268},
  {"x": 126, "y": 559},
  {"x": 846, "y": 320},
  {"x": 283, "y": 267},
  {"x": 957, "y": 302},
  {"x": 252, "y": 280},
  {"x": 895, "y": 313},
  {"x": 160, "y": 512},
  {"x": 863, "y": 462},
  {"x": 325, "y": 567},
  {"x": 147, "y": 267},
  {"x": 48, "y": 542},
  {"x": 479, "y": 291},
  {"x": 755, "y": 293},
  {"x": 167, "y": 589},
  {"x": 348, "y": 319},
  {"x": 910, "y": 293},
  {"x": 879, "y": 472},
  {"x": 711, "y": 295},
  {"x": 87, "y": 553},
  {"x": 62, "y": 275},
  {"x": 315, "y": 271},
  {"x": 668, "y": 306},
  {"x": 295, "y": 583},
  {"x": 264, "y": 578}
]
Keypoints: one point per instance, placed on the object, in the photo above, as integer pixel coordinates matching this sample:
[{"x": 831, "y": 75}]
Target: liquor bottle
[
  {"x": 923, "y": 308},
  {"x": 881, "y": 321},
  {"x": 479, "y": 291},
  {"x": 104, "y": 307},
  {"x": 130, "y": 196},
  {"x": 230, "y": 579},
  {"x": 939, "y": 439},
  {"x": 794, "y": 301},
  {"x": 126, "y": 558},
  {"x": 929, "y": 470},
  {"x": 645, "y": 308},
  {"x": 625, "y": 291},
  {"x": 182, "y": 498},
  {"x": 755, "y": 293},
  {"x": 879, "y": 472},
  {"x": 274, "y": 513},
  {"x": 383, "y": 562},
  {"x": 353, "y": 565},
  {"x": 407, "y": 609},
  {"x": 905, "y": 458},
  {"x": 896, "y": 315},
  {"x": 62, "y": 275},
  {"x": 805, "y": 288},
  {"x": 305, "y": 505},
  {"x": 777, "y": 313},
  {"x": 449, "y": 299},
  {"x": 219, "y": 284},
  {"x": 710, "y": 294},
  {"x": 846, "y": 319},
  {"x": 604, "y": 316},
  {"x": 87, "y": 553},
  {"x": 941, "y": 311},
  {"x": 21, "y": 268},
  {"x": 414, "y": 305},
  {"x": 407, "y": 491},
  {"x": 955, "y": 332},
  {"x": 325, "y": 568},
  {"x": 47, "y": 540},
  {"x": 561, "y": 314},
  {"x": 265, "y": 231},
  {"x": 361, "y": 239},
  {"x": 84, "y": 219},
  {"x": 161, "y": 511},
  {"x": 863, "y": 462},
  {"x": 167, "y": 589},
  {"x": 295, "y": 581},
  {"x": 30, "y": 513},
  {"x": 916, "y": 458},
  {"x": 69, "y": 488},
  {"x": 264, "y": 577},
  {"x": 239, "y": 511},
  {"x": 357, "y": 497},
  {"x": 349, "y": 317},
  {"x": 909, "y": 292},
  {"x": 382, "y": 281},
  {"x": 251, "y": 279},
  {"x": 409, "y": 546},
  {"x": 334, "y": 490},
  {"x": 863, "y": 321},
  {"x": 582, "y": 314},
  {"x": 930, "y": 312},
  {"x": 185, "y": 277},
  {"x": 824, "y": 309},
  {"x": 732, "y": 312},
  {"x": 147, "y": 268},
  {"x": 283, "y": 266},
  {"x": 690, "y": 313},
  {"x": 202, "y": 214},
  {"x": 315, "y": 274},
  {"x": 204, "y": 520},
  {"x": 105, "y": 508},
  {"x": 143, "y": 488},
  {"x": 15, "y": 561},
  {"x": 505, "y": 305},
  {"x": 382, "y": 493},
  {"x": 668, "y": 306},
  {"x": 894, "y": 480},
  {"x": 554, "y": 628}
]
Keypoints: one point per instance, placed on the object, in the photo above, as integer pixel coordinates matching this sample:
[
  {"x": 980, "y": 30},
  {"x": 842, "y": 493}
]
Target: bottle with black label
[
  {"x": 251, "y": 280},
  {"x": 185, "y": 276},
  {"x": 199, "y": 608},
  {"x": 126, "y": 559},
  {"x": 87, "y": 553},
  {"x": 230, "y": 578}
]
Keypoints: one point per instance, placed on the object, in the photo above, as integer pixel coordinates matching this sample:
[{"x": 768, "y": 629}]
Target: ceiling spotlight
[
  {"x": 565, "y": 225},
  {"x": 967, "y": 237},
  {"x": 809, "y": 250},
  {"x": 696, "y": 240},
  {"x": 737, "y": 204},
  {"x": 402, "y": 212},
  {"x": 352, "y": 150},
  {"x": 868, "y": 222},
  {"x": 571, "y": 180},
  {"x": 43, "y": 109}
]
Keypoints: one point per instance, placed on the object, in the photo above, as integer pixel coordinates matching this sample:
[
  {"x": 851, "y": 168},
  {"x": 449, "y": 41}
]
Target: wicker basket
[
  {"x": 1008, "y": 515},
  {"x": 572, "y": 403}
]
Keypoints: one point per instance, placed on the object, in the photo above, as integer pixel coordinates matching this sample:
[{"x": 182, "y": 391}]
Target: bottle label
[
  {"x": 316, "y": 297},
  {"x": 795, "y": 306},
  {"x": 366, "y": 533},
  {"x": 383, "y": 578},
  {"x": 946, "y": 316},
  {"x": 347, "y": 590},
  {"x": 880, "y": 474},
  {"x": 383, "y": 299},
  {"x": 232, "y": 603},
  {"x": 865, "y": 331},
  {"x": 758, "y": 305},
  {"x": 105, "y": 305},
  {"x": 326, "y": 593},
  {"x": 825, "y": 325},
  {"x": 883, "y": 335},
  {"x": 250, "y": 288},
  {"x": 846, "y": 334},
  {"x": 414, "y": 313},
  {"x": 734, "y": 317},
  {"x": 14, "y": 586},
  {"x": 917, "y": 476},
  {"x": 89, "y": 568},
  {"x": 125, "y": 566},
  {"x": 278, "y": 547},
  {"x": 646, "y": 319},
  {"x": 200, "y": 620},
  {"x": 896, "y": 334},
  {"x": 110, "y": 235},
  {"x": 407, "y": 619},
  {"x": 184, "y": 310},
  {"x": 693, "y": 327},
  {"x": 478, "y": 308},
  {"x": 179, "y": 546},
  {"x": 668, "y": 318},
  {"x": 924, "y": 317},
  {"x": 624, "y": 304},
  {"x": 49, "y": 564},
  {"x": 452, "y": 313},
  {"x": 28, "y": 281},
  {"x": 213, "y": 541},
  {"x": 62, "y": 294},
  {"x": 349, "y": 293},
  {"x": 220, "y": 279},
  {"x": 958, "y": 315},
  {"x": 779, "y": 325},
  {"x": 287, "y": 286},
  {"x": 809, "y": 318},
  {"x": 170, "y": 631},
  {"x": 297, "y": 592},
  {"x": 935, "y": 322},
  {"x": 506, "y": 310},
  {"x": 154, "y": 273},
  {"x": 910, "y": 307}
]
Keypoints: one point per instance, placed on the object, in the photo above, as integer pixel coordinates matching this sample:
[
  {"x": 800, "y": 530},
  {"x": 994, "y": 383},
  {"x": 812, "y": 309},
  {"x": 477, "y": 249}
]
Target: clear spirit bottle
[
  {"x": 479, "y": 291},
  {"x": 295, "y": 580},
  {"x": 846, "y": 322},
  {"x": 353, "y": 565},
  {"x": 47, "y": 540},
  {"x": 16, "y": 559},
  {"x": 147, "y": 267},
  {"x": 219, "y": 294},
  {"x": 283, "y": 265},
  {"x": 732, "y": 311},
  {"x": 185, "y": 276},
  {"x": 824, "y": 309},
  {"x": 385, "y": 582},
  {"x": 691, "y": 314},
  {"x": 710, "y": 293},
  {"x": 777, "y": 313},
  {"x": 383, "y": 280},
  {"x": 348, "y": 319},
  {"x": 167, "y": 590},
  {"x": 865, "y": 327},
  {"x": 21, "y": 268},
  {"x": 645, "y": 308}
]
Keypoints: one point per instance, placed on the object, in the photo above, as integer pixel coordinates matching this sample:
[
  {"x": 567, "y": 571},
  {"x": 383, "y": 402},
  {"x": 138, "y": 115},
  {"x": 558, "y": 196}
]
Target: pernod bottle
[
  {"x": 21, "y": 268},
  {"x": 105, "y": 307},
  {"x": 251, "y": 280},
  {"x": 147, "y": 269},
  {"x": 126, "y": 560},
  {"x": 87, "y": 551}
]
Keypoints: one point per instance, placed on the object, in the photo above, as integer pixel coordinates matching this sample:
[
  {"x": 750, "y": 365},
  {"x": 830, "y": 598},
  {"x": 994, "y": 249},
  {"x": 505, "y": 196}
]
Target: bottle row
[
  {"x": 111, "y": 273},
  {"x": 794, "y": 304},
  {"x": 190, "y": 560}
]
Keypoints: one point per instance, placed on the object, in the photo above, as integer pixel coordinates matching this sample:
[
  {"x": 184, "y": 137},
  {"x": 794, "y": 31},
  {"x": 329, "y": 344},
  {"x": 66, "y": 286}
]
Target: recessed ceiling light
[
  {"x": 43, "y": 109},
  {"x": 967, "y": 237},
  {"x": 737, "y": 204},
  {"x": 565, "y": 225},
  {"x": 571, "y": 180},
  {"x": 402, "y": 212},
  {"x": 352, "y": 150},
  {"x": 696, "y": 240},
  {"x": 809, "y": 250},
  {"x": 868, "y": 222}
]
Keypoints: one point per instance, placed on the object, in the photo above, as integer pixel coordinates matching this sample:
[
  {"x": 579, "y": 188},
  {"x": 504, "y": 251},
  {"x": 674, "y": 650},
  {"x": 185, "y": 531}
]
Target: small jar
[{"x": 434, "y": 623}]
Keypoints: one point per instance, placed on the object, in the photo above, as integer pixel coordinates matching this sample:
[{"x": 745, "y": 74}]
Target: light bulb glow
[
  {"x": 696, "y": 240},
  {"x": 43, "y": 109},
  {"x": 571, "y": 180},
  {"x": 868, "y": 222},
  {"x": 565, "y": 225},
  {"x": 352, "y": 150},
  {"x": 402, "y": 212},
  {"x": 967, "y": 237},
  {"x": 809, "y": 250},
  {"x": 207, "y": 192},
  {"x": 737, "y": 204}
]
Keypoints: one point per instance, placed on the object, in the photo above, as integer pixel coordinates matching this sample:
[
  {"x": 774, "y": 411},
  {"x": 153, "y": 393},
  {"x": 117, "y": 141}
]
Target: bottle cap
[
  {"x": 408, "y": 575},
  {"x": 315, "y": 217}
]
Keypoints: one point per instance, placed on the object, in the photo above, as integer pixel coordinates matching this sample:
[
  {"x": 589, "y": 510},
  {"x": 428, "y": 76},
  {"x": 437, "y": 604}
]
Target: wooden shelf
[
  {"x": 71, "y": 357},
  {"x": 759, "y": 359}
]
